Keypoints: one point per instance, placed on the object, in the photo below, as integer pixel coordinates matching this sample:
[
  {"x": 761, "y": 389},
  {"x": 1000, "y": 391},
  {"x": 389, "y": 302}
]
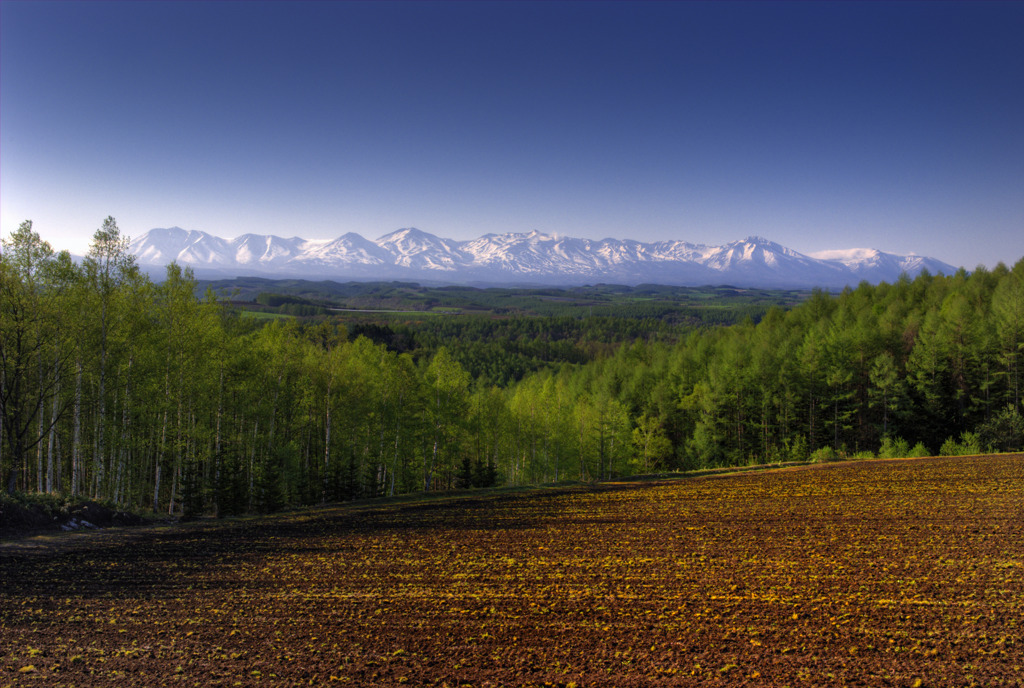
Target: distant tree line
[
  {"x": 118, "y": 388},
  {"x": 932, "y": 362}
]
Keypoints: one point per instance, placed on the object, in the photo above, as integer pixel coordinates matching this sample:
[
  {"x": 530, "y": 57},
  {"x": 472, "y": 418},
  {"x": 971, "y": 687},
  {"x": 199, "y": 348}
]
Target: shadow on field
[{"x": 157, "y": 561}]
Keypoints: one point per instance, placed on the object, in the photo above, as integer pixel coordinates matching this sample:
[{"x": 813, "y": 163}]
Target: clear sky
[{"x": 897, "y": 126}]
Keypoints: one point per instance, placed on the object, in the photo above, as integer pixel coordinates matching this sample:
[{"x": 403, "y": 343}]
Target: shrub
[
  {"x": 969, "y": 444},
  {"x": 894, "y": 448},
  {"x": 823, "y": 454},
  {"x": 919, "y": 450},
  {"x": 795, "y": 450},
  {"x": 1003, "y": 432}
]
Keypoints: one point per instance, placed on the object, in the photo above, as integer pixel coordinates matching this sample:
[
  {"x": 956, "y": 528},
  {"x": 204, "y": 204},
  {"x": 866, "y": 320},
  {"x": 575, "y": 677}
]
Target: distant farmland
[{"x": 877, "y": 573}]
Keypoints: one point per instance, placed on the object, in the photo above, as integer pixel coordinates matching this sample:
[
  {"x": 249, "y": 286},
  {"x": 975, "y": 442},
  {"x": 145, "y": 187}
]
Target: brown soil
[{"x": 869, "y": 574}]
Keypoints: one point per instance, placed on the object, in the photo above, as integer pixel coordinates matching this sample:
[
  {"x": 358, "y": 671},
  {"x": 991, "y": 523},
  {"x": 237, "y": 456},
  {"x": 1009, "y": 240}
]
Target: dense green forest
[
  {"x": 117, "y": 387},
  {"x": 499, "y": 334},
  {"x": 719, "y": 305}
]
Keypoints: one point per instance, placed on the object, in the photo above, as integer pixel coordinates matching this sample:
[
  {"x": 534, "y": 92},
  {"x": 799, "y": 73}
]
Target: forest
[{"x": 122, "y": 388}]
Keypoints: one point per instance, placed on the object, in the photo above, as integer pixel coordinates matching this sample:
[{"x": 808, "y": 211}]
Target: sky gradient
[{"x": 897, "y": 126}]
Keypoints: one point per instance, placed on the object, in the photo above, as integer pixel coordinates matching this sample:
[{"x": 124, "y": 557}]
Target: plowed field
[{"x": 880, "y": 573}]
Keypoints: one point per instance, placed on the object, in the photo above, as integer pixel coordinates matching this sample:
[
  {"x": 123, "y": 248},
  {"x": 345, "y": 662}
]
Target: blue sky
[{"x": 897, "y": 126}]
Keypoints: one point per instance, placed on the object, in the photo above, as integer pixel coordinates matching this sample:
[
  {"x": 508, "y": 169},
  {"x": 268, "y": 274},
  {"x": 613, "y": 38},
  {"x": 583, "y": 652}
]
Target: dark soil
[
  {"x": 876, "y": 574},
  {"x": 19, "y": 520}
]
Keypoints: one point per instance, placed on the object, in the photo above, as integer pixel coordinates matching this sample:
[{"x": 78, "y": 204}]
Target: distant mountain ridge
[{"x": 530, "y": 258}]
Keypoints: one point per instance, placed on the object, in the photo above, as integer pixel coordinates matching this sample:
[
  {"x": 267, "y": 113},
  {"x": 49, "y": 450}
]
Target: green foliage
[
  {"x": 894, "y": 448},
  {"x": 968, "y": 445},
  {"x": 823, "y": 454},
  {"x": 52, "y": 504},
  {"x": 919, "y": 450},
  {"x": 795, "y": 448},
  {"x": 464, "y": 479},
  {"x": 485, "y": 473},
  {"x": 1004, "y": 432},
  {"x": 899, "y": 448}
]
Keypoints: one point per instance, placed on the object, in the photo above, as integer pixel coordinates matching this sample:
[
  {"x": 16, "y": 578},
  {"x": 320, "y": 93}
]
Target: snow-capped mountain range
[{"x": 514, "y": 258}]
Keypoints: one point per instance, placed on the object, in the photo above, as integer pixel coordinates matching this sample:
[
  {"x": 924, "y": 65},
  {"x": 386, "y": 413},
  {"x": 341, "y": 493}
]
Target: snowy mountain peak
[
  {"x": 406, "y": 234},
  {"x": 533, "y": 257},
  {"x": 415, "y": 249}
]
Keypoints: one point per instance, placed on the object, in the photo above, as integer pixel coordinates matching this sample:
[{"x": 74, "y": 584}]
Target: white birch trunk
[
  {"x": 50, "y": 484},
  {"x": 76, "y": 432},
  {"x": 41, "y": 410},
  {"x": 159, "y": 455},
  {"x": 327, "y": 442}
]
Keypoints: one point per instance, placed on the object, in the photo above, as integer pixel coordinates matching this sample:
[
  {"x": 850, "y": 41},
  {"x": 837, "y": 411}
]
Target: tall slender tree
[{"x": 107, "y": 265}]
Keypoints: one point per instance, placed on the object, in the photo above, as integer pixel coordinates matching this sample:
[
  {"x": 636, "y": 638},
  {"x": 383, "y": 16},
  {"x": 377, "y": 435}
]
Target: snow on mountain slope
[
  {"x": 413, "y": 248},
  {"x": 162, "y": 245},
  {"x": 762, "y": 261},
  {"x": 266, "y": 250},
  {"x": 525, "y": 253},
  {"x": 875, "y": 266},
  {"x": 532, "y": 257},
  {"x": 349, "y": 249},
  {"x": 848, "y": 256}
]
